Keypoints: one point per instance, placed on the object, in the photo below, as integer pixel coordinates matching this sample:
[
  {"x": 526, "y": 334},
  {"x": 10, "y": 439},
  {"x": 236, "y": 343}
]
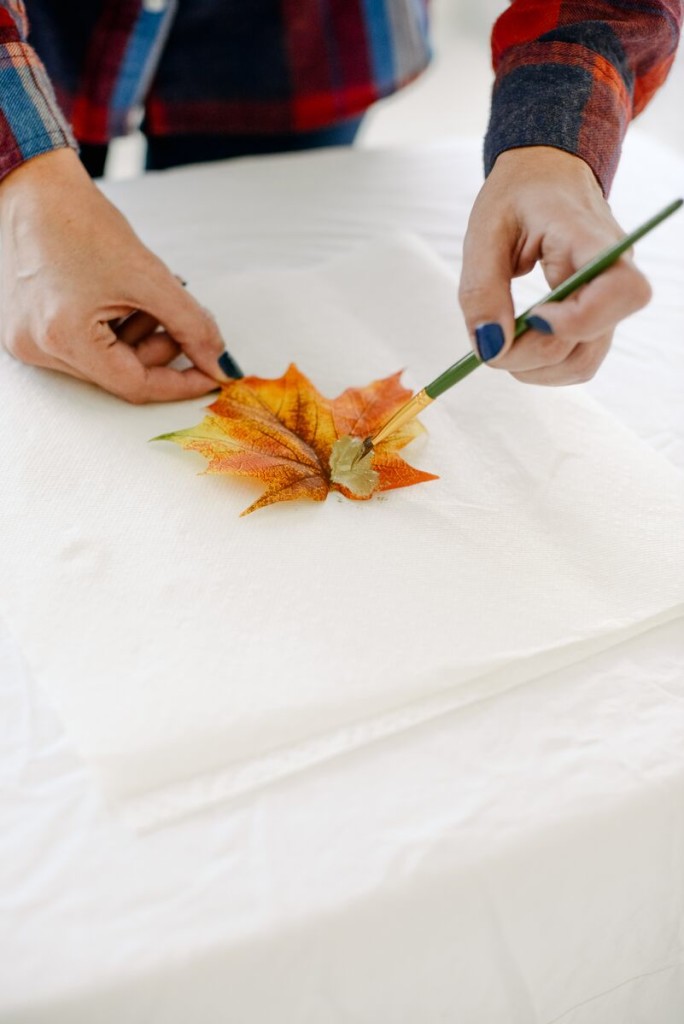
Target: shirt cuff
[
  {"x": 563, "y": 95},
  {"x": 31, "y": 122}
]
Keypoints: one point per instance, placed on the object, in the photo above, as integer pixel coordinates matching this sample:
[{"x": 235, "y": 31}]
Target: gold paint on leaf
[{"x": 356, "y": 475}]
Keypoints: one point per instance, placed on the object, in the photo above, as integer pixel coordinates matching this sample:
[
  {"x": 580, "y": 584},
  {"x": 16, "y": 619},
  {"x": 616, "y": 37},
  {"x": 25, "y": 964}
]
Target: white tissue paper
[{"x": 195, "y": 654}]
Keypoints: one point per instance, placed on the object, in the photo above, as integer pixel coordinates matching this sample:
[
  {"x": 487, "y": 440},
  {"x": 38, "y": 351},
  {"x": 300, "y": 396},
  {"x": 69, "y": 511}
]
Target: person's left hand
[{"x": 542, "y": 204}]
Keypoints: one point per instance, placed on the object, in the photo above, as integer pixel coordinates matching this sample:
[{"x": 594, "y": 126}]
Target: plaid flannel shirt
[{"x": 569, "y": 73}]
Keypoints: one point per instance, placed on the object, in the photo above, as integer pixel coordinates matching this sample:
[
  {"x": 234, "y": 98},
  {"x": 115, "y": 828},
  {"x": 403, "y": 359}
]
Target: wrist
[
  {"x": 59, "y": 167},
  {"x": 543, "y": 163}
]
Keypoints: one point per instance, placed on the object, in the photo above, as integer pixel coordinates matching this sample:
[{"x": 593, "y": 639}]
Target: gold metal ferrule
[{"x": 413, "y": 407}]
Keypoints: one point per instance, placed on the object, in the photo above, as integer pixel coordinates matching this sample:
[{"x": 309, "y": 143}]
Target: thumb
[
  {"x": 485, "y": 293},
  {"x": 188, "y": 323}
]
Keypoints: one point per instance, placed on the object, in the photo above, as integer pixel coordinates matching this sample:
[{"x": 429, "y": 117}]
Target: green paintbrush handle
[{"x": 586, "y": 273}]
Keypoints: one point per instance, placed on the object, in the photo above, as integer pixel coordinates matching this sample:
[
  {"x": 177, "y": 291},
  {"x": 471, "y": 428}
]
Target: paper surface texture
[{"x": 182, "y": 641}]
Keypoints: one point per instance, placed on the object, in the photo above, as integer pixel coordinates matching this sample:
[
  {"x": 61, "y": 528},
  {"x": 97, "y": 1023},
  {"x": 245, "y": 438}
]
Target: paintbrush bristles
[
  {"x": 409, "y": 411},
  {"x": 413, "y": 407}
]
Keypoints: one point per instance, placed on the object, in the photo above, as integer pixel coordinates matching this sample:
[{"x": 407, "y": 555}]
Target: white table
[{"x": 520, "y": 860}]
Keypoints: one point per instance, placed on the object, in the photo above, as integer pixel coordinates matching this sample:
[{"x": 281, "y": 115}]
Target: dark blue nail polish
[
  {"x": 229, "y": 366},
  {"x": 490, "y": 340},
  {"x": 538, "y": 323}
]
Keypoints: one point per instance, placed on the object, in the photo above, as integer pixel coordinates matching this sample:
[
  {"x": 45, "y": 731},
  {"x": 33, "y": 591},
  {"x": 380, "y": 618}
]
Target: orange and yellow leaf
[{"x": 281, "y": 432}]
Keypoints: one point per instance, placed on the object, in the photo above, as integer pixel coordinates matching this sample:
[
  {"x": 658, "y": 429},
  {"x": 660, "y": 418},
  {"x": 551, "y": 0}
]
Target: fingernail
[
  {"x": 538, "y": 323},
  {"x": 490, "y": 340},
  {"x": 229, "y": 366}
]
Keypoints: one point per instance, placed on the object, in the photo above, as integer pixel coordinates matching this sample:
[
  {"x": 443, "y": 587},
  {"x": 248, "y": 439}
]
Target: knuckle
[
  {"x": 208, "y": 315},
  {"x": 469, "y": 289},
  {"x": 634, "y": 287},
  {"x": 134, "y": 397},
  {"x": 135, "y": 392},
  {"x": 642, "y": 291},
  {"x": 20, "y": 347},
  {"x": 137, "y": 396},
  {"x": 475, "y": 300},
  {"x": 556, "y": 351},
  {"x": 472, "y": 295},
  {"x": 521, "y": 375},
  {"x": 585, "y": 364},
  {"x": 52, "y": 339},
  {"x": 210, "y": 328}
]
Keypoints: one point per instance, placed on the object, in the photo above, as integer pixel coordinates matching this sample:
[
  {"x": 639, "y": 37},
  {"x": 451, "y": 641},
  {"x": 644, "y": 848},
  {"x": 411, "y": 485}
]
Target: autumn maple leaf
[{"x": 282, "y": 432}]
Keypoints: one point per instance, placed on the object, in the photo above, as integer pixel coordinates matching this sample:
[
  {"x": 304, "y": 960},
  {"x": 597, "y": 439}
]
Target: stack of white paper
[{"x": 183, "y": 642}]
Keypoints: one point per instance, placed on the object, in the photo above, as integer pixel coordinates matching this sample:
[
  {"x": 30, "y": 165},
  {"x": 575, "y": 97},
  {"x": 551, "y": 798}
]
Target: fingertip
[
  {"x": 207, "y": 350},
  {"x": 191, "y": 325},
  {"x": 490, "y": 340},
  {"x": 228, "y": 367},
  {"x": 488, "y": 311},
  {"x": 539, "y": 323}
]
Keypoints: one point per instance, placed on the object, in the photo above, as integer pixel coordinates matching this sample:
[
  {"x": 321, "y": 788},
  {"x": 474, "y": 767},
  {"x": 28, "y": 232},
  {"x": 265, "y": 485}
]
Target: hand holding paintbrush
[{"x": 351, "y": 451}]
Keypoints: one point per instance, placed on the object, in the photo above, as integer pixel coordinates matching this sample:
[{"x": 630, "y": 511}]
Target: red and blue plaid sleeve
[
  {"x": 573, "y": 73},
  {"x": 30, "y": 119},
  {"x": 245, "y": 67}
]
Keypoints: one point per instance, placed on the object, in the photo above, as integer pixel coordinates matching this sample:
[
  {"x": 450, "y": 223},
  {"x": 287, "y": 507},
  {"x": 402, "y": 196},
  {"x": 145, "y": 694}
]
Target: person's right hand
[{"x": 73, "y": 269}]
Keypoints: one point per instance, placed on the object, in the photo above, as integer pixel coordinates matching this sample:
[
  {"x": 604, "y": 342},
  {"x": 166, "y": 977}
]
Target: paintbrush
[{"x": 354, "y": 449}]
